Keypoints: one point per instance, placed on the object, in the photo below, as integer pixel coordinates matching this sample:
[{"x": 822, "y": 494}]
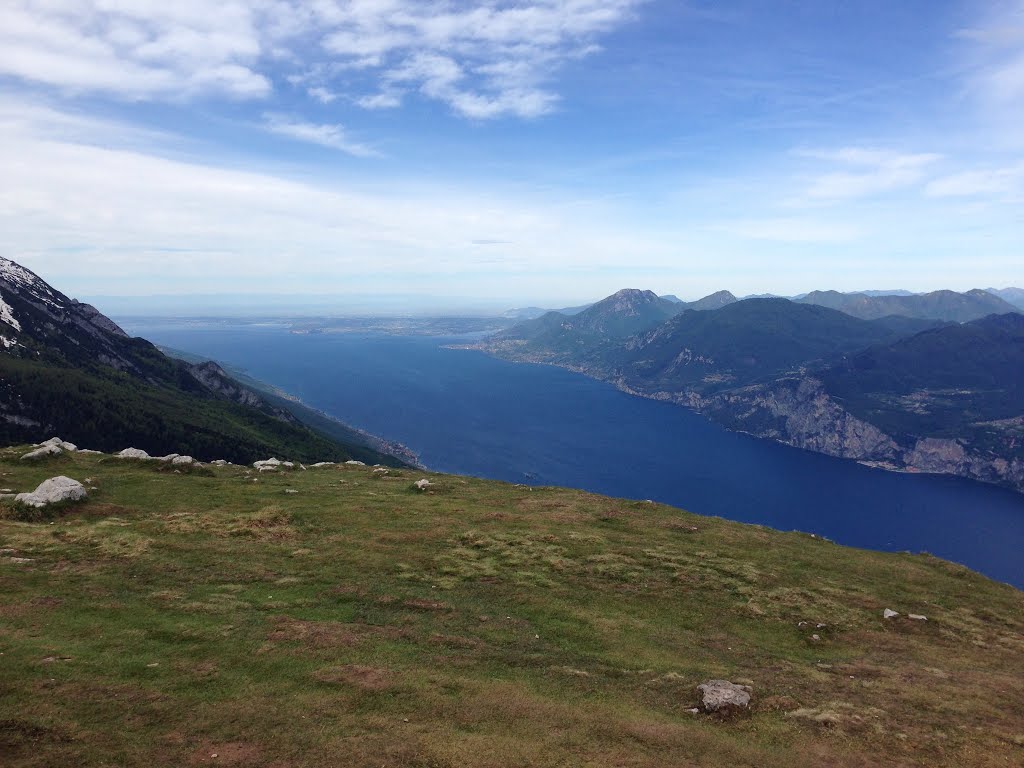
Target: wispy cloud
[
  {"x": 860, "y": 172},
  {"x": 331, "y": 136},
  {"x": 988, "y": 182},
  {"x": 996, "y": 68},
  {"x": 484, "y": 58}
]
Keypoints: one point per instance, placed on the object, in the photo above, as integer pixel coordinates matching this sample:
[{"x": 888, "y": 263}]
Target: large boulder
[
  {"x": 53, "y": 491},
  {"x": 721, "y": 696}
]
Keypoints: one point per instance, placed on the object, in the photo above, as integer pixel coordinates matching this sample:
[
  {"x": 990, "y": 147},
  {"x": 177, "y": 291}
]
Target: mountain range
[
  {"x": 900, "y": 390},
  {"x": 67, "y": 369}
]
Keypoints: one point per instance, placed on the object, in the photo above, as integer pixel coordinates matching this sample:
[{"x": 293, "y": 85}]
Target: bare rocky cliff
[{"x": 799, "y": 412}]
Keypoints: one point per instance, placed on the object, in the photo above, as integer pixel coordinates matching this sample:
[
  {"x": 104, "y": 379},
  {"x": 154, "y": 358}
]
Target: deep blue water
[{"x": 466, "y": 413}]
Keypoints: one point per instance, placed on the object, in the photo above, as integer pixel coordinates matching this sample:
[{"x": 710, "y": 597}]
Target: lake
[{"x": 466, "y": 413}]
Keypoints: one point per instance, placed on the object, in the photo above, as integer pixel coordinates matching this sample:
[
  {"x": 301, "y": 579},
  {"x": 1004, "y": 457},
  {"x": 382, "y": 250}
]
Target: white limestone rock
[
  {"x": 56, "y": 441},
  {"x": 133, "y": 453},
  {"x": 353, "y": 463},
  {"x": 183, "y": 460},
  {"x": 423, "y": 484},
  {"x": 53, "y": 491},
  {"x": 42, "y": 453},
  {"x": 889, "y": 613}
]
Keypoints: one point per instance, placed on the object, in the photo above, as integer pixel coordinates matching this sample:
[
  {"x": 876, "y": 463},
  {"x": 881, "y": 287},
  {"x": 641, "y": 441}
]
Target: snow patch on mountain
[
  {"x": 7, "y": 316},
  {"x": 18, "y": 277}
]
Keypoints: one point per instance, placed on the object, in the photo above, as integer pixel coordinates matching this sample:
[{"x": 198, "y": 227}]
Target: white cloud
[
  {"x": 137, "y": 50},
  {"x": 995, "y": 63},
  {"x": 110, "y": 219},
  {"x": 332, "y": 136},
  {"x": 991, "y": 182},
  {"x": 483, "y": 58},
  {"x": 862, "y": 172},
  {"x": 322, "y": 95},
  {"x": 383, "y": 100}
]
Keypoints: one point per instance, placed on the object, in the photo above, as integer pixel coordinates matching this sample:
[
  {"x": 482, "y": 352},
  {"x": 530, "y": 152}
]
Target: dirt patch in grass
[
  {"x": 330, "y": 634},
  {"x": 358, "y": 676},
  {"x": 420, "y": 604},
  {"x": 18, "y": 736},
  {"x": 316, "y": 634},
  {"x": 227, "y": 753},
  {"x": 267, "y": 524}
]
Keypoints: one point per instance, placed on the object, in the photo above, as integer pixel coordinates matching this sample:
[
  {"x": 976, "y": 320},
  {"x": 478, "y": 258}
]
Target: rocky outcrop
[
  {"x": 216, "y": 380},
  {"x": 799, "y": 412}
]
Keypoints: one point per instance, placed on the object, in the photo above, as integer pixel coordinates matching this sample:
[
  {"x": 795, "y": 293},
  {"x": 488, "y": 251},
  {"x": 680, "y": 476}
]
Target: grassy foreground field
[{"x": 213, "y": 618}]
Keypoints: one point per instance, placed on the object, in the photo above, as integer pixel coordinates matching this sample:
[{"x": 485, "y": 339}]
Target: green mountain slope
[
  {"x": 938, "y": 305},
  {"x": 941, "y": 383},
  {"x": 738, "y": 343},
  {"x": 66, "y": 369},
  {"x": 206, "y": 619}
]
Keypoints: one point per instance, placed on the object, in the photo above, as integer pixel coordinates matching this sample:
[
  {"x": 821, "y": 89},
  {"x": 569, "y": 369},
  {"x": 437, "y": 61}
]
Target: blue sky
[{"x": 504, "y": 153}]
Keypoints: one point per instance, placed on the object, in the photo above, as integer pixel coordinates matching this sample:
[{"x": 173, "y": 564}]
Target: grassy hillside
[{"x": 212, "y": 618}]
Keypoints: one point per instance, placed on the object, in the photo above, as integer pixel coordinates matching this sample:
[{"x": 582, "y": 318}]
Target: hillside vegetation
[
  {"x": 66, "y": 368},
  {"x": 214, "y": 617}
]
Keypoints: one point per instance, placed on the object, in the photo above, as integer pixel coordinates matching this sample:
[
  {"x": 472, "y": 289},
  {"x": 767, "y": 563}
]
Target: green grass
[{"x": 360, "y": 622}]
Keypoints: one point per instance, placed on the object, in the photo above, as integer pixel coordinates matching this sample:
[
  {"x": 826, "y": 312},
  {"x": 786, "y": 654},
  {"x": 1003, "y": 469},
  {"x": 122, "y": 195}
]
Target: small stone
[
  {"x": 353, "y": 463},
  {"x": 917, "y": 617},
  {"x": 816, "y": 638},
  {"x": 889, "y": 613},
  {"x": 423, "y": 484},
  {"x": 290, "y": 490},
  {"x": 183, "y": 460}
]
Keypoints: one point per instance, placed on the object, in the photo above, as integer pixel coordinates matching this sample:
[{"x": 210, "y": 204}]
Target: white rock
[
  {"x": 133, "y": 453},
  {"x": 889, "y": 613},
  {"x": 220, "y": 463},
  {"x": 183, "y": 460},
  {"x": 168, "y": 458},
  {"x": 54, "y": 490},
  {"x": 85, "y": 450},
  {"x": 290, "y": 490},
  {"x": 268, "y": 468},
  {"x": 353, "y": 463},
  {"x": 42, "y": 453},
  {"x": 324, "y": 464},
  {"x": 917, "y": 617},
  {"x": 816, "y": 638},
  {"x": 380, "y": 471},
  {"x": 723, "y": 696},
  {"x": 288, "y": 464},
  {"x": 56, "y": 441},
  {"x": 271, "y": 462},
  {"x": 423, "y": 484}
]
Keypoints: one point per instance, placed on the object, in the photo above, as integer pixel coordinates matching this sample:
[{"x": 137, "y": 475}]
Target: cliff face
[{"x": 799, "y": 412}]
